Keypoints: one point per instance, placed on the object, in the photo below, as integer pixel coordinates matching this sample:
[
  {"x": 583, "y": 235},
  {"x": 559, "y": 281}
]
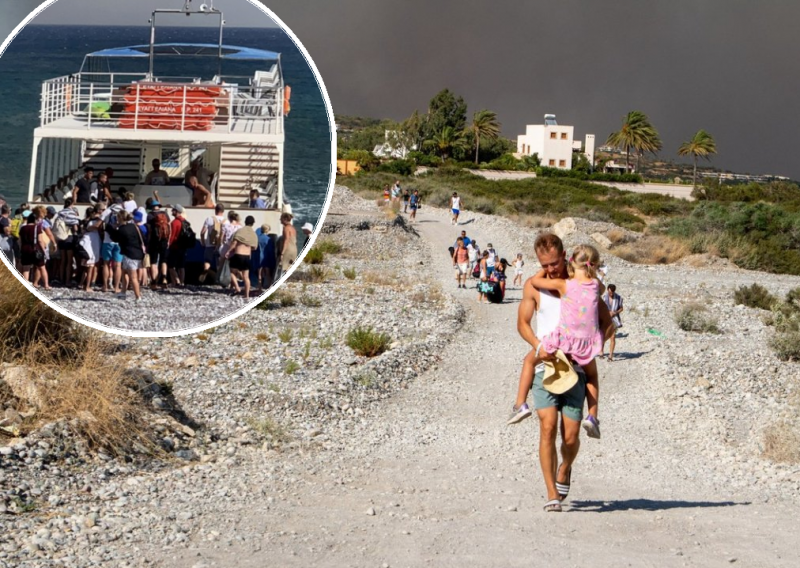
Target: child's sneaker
[
  {"x": 519, "y": 413},
  {"x": 592, "y": 426}
]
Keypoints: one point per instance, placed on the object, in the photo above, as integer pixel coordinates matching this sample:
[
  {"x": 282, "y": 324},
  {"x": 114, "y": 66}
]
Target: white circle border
[{"x": 276, "y": 285}]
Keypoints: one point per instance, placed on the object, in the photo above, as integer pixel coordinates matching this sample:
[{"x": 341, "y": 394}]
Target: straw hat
[{"x": 559, "y": 375}]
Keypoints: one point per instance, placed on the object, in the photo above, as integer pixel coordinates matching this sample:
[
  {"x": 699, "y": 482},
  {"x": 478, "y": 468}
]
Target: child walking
[
  {"x": 518, "y": 264},
  {"x": 578, "y": 333}
]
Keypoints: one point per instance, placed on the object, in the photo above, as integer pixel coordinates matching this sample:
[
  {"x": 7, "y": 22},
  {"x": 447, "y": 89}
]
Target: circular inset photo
[{"x": 166, "y": 162}]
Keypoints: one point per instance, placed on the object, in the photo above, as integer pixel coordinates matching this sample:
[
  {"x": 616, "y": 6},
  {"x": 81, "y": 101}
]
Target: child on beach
[
  {"x": 518, "y": 264},
  {"x": 578, "y": 333}
]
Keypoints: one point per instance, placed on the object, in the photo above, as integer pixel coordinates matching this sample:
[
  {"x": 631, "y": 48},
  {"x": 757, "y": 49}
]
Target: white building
[
  {"x": 553, "y": 143},
  {"x": 392, "y": 146}
]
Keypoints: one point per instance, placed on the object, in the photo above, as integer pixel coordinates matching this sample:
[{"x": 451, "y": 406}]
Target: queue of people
[
  {"x": 486, "y": 267},
  {"x": 119, "y": 245}
]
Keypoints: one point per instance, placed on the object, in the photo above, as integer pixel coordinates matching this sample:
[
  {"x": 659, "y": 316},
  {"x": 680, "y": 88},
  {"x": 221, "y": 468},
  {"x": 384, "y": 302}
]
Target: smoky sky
[{"x": 730, "y": 67}]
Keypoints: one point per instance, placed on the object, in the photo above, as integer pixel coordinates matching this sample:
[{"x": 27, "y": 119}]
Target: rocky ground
[{"x": 297, "y": 451}]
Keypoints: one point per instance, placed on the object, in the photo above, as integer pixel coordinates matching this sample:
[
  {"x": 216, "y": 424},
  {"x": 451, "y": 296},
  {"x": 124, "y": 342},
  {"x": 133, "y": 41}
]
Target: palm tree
[
  {"x": 636, "y": 133},
  {"x": 484, "y": 124},
  {"x": 701, "y": 145},
  {"x": 445, "y": 141}
]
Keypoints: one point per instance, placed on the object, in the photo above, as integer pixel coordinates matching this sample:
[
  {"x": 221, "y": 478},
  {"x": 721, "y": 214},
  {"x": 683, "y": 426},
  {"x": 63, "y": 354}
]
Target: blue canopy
[{"x": 190, "y": 49}]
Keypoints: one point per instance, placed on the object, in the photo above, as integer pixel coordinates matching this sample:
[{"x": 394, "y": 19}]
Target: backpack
[
  {"x": 16, "y": 223},
  {"x": 60, "y": 229},
  {"x": 215, "y": 234},
  {"x": 187, "y": 238},
  {"x": 161, "y": 223}
]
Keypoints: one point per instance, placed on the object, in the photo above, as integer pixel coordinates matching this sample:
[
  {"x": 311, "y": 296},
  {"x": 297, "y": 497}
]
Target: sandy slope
[{"x": 449, "y": 484}]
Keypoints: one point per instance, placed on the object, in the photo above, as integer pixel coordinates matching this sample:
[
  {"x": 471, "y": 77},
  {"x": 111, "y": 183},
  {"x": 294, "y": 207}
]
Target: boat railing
[{"x": 141, "y": 102}]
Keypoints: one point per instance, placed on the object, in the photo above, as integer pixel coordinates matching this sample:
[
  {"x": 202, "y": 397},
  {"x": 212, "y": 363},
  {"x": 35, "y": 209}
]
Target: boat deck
[{"x": 234, "y": 129}]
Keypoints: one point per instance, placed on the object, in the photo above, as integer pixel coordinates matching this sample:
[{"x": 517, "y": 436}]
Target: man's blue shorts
[
  {"x": 570, "y": 403},
  {"x": 111, "y": 251}
]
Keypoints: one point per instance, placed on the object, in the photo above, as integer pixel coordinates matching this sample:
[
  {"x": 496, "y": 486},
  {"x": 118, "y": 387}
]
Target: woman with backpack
[
  {"x": 159, "y": 231},
  {"x": 88, "y": 248}
]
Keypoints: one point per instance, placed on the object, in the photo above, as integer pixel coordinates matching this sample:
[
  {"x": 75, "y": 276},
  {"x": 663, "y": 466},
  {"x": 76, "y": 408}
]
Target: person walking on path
[
  {"x": 406, "y": 197},
  {"x": 518, "y": 264},
  {"x": 615, "y": 307},
  {"x": 461, "y": 263},
  {"x": 455, "y": 207},
  {"x": 414, "y": 204},
  {"x": 546, "y": 305},
  {"x": 578, "y": 334}
]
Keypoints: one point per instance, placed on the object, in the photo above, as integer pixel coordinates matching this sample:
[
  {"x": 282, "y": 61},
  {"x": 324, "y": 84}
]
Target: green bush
[
  {"x": 314, "y": 256},
  {"x": 754, "y": 296},
  {"x": 310, "y": 301},
  {"x": 366, "y": 342},
  {"x": 349, "y": 273},
  {"x": 694, "y": 317},
  {"x": 328, "y": 246},
  {"x": 398, "y": 167},
  {"x": 786, "y": 345}
]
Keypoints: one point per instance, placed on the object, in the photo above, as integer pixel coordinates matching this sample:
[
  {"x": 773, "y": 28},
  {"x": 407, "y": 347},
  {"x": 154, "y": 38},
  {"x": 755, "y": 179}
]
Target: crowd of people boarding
[{"x": 119, "y": 245}]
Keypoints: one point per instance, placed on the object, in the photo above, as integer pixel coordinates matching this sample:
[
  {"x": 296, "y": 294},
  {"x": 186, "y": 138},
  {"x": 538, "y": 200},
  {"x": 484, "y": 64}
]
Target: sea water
[{"x": 39, "y": 53}]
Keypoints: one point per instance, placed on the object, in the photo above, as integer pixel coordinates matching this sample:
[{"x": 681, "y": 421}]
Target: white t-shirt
[
  {"x": 473, "y": 254},
  {"x": 129, "y": 206},
  {"x": 491, "y": 258},
  {"x": 455, "y": 203}
]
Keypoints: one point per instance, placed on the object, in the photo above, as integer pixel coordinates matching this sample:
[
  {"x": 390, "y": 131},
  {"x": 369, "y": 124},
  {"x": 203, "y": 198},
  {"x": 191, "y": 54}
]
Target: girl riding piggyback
[{"x": 578, "y": 334}]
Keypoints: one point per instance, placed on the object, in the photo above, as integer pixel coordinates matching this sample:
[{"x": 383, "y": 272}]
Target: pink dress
[{"x": 578, "y": 332}]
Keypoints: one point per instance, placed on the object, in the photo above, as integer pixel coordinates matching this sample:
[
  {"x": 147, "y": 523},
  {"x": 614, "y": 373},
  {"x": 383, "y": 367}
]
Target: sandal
[
  {"x": 563, "y": 488},
  {"x": 553, "y": 506}
]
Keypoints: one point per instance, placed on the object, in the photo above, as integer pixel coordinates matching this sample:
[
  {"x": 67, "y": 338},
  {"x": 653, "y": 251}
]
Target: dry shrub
[
  {"x": 781, "y": 441},
  {"x": 653, "y": 249},
  {"x": 537, "y": 221},
  {"x": 379, "y": 278},
  {"x": 28, "y": 324},
  {"x": 694, "y": 316},
  {"x": 616, "y": 236}
]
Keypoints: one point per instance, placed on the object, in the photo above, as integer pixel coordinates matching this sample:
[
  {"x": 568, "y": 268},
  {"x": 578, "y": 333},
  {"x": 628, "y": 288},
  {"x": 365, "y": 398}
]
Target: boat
[{"x": 117, "y": 113}]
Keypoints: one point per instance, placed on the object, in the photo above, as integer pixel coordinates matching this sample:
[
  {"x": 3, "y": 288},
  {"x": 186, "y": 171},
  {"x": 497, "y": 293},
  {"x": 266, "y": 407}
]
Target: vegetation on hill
[{"x": 756, "y": 226}]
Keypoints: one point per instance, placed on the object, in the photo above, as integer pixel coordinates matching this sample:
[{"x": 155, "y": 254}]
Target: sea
[{"x": 39, "y": 53}]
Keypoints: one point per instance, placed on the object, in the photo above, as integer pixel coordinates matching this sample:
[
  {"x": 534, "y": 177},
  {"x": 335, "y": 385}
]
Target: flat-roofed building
[{"x": 553, "y": 143}]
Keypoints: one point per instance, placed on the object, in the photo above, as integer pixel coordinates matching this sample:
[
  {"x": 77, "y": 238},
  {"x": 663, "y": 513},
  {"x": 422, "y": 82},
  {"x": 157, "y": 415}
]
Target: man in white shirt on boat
[
  {"x": 157, "y": 176},
  {"x": 546, "y": 306}
]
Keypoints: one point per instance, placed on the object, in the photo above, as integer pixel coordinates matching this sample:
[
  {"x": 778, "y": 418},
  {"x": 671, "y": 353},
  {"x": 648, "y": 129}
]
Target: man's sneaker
[
  {"x": 592, "y": 426},
  {"x": 519, "y": 413}
]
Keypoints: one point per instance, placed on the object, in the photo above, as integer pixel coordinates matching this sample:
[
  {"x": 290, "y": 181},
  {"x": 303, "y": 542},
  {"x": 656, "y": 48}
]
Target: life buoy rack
[
  {"x": 162, "y": 107},
  {"x": 287, "y": 94}
]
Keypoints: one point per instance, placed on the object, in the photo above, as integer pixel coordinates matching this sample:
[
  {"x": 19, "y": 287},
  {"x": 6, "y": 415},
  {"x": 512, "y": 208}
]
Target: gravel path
[{"x": 406, "y": 460}]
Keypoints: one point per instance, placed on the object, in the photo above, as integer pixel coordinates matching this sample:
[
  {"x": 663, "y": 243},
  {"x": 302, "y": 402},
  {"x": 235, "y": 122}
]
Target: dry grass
[
  {"x": 73, "y": 373},
  {"x": 379, "y": 278},
  {"x": 536, "y": 221},
  {"x": 29, "y": 327},
  {"x": 96, "y": 396},
  {"x": 653, "y": 249}
]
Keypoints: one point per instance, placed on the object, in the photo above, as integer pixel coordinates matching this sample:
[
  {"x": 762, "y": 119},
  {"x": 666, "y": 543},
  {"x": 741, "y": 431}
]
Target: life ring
[{"x": 287, "y": 94}]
